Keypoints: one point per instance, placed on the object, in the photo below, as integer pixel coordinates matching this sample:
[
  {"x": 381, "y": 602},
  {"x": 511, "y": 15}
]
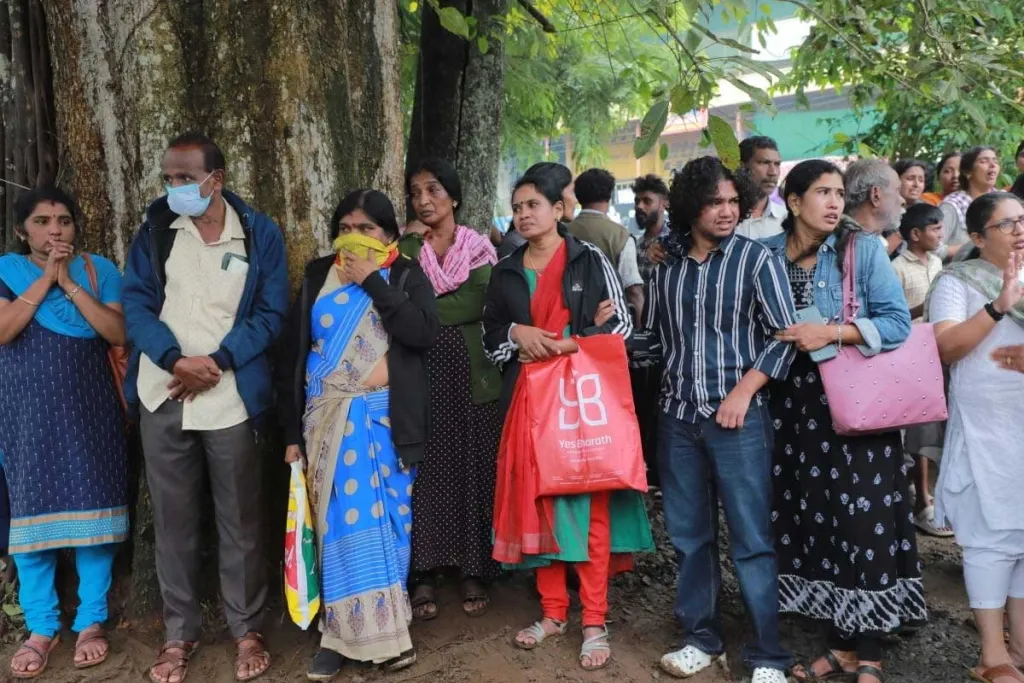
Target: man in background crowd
[
  {"x": 594, "y": 190},
  {"x": 760, "y": 159}
]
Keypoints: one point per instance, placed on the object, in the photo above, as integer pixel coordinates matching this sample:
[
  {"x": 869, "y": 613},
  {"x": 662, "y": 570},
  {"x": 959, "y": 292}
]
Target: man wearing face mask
[{"x": 205, "y": 294}]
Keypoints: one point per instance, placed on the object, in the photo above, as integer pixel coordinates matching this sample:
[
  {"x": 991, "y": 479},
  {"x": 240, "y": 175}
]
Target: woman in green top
[
  {"x": 455, "y": 484},
  {"x": 550, "y": 288}
]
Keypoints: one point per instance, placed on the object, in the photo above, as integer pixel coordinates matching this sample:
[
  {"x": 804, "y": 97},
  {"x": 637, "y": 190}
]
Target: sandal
[
  {"x": 179, "y": 663},
  {"x": 251, "y": 647},
  {"x": 424, "y": 596},
  {"x": 402, "y": 661},
  {"x": 836, "y": 672},
  {"x": 539, "y": 635},
  {"x": 868, "y": 670},
  {"x": 990, "y": 674},
  {"x": 42, "y": 656},
  {"x": 594, "y": 644},
  {"x": 925, "y": 522},
  {"x": 93, "y": 634},
  {"x": 474, "y": 592}
]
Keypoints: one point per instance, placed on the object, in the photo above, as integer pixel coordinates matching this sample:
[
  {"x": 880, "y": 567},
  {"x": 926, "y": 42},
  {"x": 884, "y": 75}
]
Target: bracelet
[
  {"x": 71, "y": 295},
  {"x": 33, "y": 304}
]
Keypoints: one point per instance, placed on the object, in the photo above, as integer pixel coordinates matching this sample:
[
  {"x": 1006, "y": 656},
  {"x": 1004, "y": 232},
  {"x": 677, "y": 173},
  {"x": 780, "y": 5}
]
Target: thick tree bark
[
  {"x": 302, "y": 96},
  {"x": 28, "y": 145},
  {"x": 457, "y": 108}
]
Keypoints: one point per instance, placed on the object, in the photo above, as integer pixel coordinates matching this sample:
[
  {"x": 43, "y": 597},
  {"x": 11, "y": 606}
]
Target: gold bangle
[{"x": 33, "y": 304}]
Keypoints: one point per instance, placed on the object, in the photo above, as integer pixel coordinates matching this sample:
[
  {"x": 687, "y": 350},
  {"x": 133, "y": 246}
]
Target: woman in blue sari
[
  {"x": 352, "y": 381},
  {"x": 62, "y": 431}
]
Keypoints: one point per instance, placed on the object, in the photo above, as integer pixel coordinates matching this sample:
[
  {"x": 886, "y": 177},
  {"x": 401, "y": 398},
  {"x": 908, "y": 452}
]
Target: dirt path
[{"x": 457, "y": 649}]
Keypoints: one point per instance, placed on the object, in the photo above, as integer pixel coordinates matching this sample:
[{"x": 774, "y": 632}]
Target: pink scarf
[{"x": 470, "y": 251}]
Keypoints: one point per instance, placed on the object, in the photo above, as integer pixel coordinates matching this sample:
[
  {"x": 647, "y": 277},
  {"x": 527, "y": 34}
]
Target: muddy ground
[{"x": 457, "y": 649}]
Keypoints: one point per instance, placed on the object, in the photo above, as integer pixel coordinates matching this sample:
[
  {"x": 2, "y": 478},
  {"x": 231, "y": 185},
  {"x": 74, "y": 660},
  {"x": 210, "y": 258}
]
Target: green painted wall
[{"x": 806, "y": 134}]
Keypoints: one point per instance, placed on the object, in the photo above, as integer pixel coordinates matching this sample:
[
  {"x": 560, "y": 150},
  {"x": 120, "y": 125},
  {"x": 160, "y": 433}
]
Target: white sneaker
[
  {"x": 763, "y": 674},
  {"x": 687, "y": 662}
]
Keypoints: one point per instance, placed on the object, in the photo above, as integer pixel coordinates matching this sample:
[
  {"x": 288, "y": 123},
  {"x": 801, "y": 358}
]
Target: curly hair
[
  {"x": 593, "y": 186},
  {"x": 696, "y": 187},
  {"x": 650, "y": 183}
]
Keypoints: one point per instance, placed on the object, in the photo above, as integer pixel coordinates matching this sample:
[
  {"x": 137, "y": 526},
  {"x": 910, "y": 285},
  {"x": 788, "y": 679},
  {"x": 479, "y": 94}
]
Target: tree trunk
[
  {"x": 302, "y": 96},
  {"x": 457, "y": 107},
  {"x": 28, "y": 143}
]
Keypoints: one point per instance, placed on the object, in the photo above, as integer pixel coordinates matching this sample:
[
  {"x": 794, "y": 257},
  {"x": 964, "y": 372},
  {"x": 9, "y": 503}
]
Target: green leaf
[
  {"x": 13, "y": 611},
  {"x": 453, "y": 21},
  {"x": 663, "y": 151},
  {"x": 865, "y": 151},
  {"x": 682, "y": 100},
  {"x": 482, "y": 45},
  {"x": 724, "y": 140},
  {"x": 761, "y": 68},
  {"x": 413, "y": 6},
  {"x": 650, "y": 128},
  {"x": 755, "y": 94},
  {"x": 974, "y": 111}
]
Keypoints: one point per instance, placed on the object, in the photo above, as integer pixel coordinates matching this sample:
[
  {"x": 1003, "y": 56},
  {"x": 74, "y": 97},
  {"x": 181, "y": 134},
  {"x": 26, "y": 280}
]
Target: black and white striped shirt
[{"x": 717, "y": 320}]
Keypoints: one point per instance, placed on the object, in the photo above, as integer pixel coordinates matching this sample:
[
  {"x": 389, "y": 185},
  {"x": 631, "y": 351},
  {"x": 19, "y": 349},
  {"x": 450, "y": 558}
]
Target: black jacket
[
  {"x": 589, "y": 279},
  {"x": 408, "y": 311}
]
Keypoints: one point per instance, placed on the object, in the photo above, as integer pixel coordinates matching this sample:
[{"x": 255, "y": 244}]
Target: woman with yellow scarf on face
[{"x": 361, "y": 327}]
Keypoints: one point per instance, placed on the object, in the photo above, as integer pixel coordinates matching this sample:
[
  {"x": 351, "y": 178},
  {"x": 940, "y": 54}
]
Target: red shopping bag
[{"x": 585, "y": 434}]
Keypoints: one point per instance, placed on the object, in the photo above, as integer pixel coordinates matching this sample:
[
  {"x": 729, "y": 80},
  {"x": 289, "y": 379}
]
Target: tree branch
[{"x": 544, "y": 22}]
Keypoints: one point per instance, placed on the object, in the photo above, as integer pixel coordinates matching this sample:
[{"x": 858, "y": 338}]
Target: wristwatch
[{"x": 990, "y": 308}]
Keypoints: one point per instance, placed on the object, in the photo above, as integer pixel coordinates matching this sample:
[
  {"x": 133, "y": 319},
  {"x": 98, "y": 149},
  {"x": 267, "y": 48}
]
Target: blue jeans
[
  {"x": 38, "y": 592},
  {"x": 700, "y": 462}
]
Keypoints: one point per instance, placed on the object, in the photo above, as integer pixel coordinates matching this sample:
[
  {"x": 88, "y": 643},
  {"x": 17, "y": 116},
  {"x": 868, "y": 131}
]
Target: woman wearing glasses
[{"x": 978, "y": 310}]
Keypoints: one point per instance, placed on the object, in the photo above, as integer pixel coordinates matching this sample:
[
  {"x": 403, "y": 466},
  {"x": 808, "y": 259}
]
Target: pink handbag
[{"x": 892, "y": 390}]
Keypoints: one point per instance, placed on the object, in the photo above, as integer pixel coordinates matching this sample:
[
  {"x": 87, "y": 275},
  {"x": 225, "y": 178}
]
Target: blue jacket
[
  {"x": 261, "y": 311},
  {"x": 883, "y": 318}
]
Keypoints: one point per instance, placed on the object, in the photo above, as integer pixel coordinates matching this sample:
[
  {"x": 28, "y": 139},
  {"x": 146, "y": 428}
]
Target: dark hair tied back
[
  {"x": 374, "y": 204},
  {"x": 444, "y": 171},
  {"x": 27, "y": 202}
]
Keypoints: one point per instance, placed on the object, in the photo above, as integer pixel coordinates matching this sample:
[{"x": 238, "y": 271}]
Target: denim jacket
[{"x": 884, "y": 317}]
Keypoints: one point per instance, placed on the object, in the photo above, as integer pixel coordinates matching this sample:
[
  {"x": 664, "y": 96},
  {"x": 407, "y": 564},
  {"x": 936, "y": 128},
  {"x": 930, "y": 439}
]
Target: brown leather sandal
[
  {"x": 93, "y": 634},
  {"x": 43, "y": 656},
  {"x": 179, "y": 663},
  {"x": 250, "y": 647}
]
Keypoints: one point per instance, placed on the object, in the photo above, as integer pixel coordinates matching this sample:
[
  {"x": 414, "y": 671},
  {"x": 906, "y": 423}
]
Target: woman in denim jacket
[{"x": 845, "y": 540}]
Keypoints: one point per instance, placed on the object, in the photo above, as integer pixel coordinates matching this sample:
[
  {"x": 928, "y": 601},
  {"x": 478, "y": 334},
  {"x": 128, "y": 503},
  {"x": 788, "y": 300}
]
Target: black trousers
[{"x": 646, "y": 386}]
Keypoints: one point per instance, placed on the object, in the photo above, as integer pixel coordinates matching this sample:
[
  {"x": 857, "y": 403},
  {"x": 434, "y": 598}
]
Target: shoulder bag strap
[
  {"x": 90, "y": 270},
  {"x": 851, "y": 306}
]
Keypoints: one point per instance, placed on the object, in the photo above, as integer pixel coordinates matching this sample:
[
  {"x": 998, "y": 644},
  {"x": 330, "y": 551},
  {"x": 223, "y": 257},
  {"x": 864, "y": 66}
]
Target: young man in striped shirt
[{"x": 717, "y": 303}]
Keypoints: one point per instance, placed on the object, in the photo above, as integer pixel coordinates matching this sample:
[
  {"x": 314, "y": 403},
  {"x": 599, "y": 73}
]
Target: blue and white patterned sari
[{"x": 359, "y": 492}]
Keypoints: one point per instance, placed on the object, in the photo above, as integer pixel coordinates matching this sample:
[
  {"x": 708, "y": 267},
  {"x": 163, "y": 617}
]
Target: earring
[
  {"x": 455, "y": 205},
  {"x": 796, "y": 212}
]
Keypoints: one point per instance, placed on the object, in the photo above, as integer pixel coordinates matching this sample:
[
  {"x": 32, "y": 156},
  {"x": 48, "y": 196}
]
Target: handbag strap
[
  {"x": 90, "y": 270},
  {"x": 851, "y": 306}
]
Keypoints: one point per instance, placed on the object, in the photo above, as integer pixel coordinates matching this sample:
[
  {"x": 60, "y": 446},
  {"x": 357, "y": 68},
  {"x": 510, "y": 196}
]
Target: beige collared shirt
[
  {"x": 200, "y": 304},
  {"x": 769, "y": 223},
  {"x": 916, "y": 276}
]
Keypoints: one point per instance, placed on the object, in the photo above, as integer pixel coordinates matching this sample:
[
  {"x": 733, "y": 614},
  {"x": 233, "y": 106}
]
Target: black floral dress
[{"x": 843, "y": 522}]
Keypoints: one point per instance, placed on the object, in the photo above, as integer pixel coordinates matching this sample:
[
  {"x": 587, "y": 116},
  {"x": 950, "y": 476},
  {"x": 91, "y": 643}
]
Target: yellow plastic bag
[{"x": 301, "y": 585}]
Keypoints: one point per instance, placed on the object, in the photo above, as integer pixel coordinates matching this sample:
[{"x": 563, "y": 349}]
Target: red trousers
[{"x": 593, "y": 574}]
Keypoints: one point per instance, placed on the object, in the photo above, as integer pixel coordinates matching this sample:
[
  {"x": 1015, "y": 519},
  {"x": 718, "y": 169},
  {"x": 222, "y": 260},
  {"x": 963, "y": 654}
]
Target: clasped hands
[
  {"x": 193, "y": 376},
  {"x": 536, "y": 344}
]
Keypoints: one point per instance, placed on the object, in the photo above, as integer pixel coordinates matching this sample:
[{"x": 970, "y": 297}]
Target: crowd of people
[{"x": 395, "y": 375}]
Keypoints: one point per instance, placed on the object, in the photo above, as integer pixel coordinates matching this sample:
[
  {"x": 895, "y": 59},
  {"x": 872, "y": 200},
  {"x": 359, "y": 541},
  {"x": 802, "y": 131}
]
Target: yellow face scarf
[{"x": 365, "y": 247}]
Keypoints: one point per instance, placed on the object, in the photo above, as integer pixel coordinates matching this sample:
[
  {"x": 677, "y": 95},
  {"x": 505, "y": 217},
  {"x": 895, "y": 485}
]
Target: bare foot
[{"x": 527, "y": 639}]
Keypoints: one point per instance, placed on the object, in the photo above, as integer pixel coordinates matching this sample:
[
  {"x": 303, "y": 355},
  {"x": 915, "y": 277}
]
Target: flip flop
[
  {"x": 402, "y": 661},
  {"x": 43, "y": 655},
  {"x": 91, "y": 635}
]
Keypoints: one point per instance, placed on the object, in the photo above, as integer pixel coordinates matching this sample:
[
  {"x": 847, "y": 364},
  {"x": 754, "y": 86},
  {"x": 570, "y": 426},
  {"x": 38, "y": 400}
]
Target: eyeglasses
[{"x": 1007, "y": 226}]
